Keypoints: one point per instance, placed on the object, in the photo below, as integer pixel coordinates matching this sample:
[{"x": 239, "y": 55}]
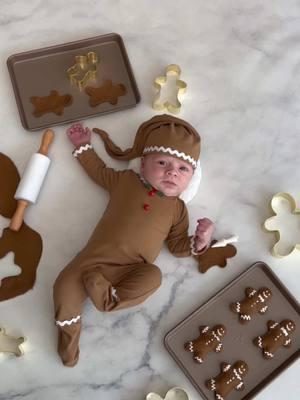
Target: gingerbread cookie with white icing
[
  {"x": 254, "y": 302},
  {"x": 230, "y": 378},
  {"x": 278, "y": 335},
  {"x": 208, "y": 340}
]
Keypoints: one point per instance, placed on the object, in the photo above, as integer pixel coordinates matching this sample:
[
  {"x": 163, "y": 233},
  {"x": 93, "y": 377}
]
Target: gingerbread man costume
[{"x": 115, "y": 269}]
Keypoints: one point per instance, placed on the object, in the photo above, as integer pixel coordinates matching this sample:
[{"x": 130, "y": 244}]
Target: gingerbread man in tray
[
  {"x": 209, "y": 340},
  {"x": 254, "y": 302},
  {"x": 278, "y": 335},
  {"x": 230, "y": 378}
]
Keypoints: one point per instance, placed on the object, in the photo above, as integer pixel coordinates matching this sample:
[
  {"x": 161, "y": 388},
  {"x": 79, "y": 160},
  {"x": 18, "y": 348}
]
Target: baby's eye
[
  {"x": 184, "y": 169},
  {"x": 161, "y": 162}
]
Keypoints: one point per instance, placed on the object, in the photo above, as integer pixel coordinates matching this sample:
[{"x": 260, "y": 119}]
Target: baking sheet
[
  {"x": 37, "y": 72},
  {"x": 238, "y": 343}
]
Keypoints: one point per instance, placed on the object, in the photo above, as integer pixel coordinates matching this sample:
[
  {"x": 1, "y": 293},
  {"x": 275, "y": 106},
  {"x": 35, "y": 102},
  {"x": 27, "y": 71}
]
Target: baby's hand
[
  {"x": 203, "y": 233},
  {"x": 79, "y": 135}
]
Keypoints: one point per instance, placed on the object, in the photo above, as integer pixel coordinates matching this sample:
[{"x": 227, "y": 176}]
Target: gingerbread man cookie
[
  {"x": 208, "y": 340},
  {"x": 279, "y": 334},
  {"x": 254, "y": 302},
  {"x": 106, "y": 93},
  {"x": 53, "y": 103},
  {"x": 231, "y": 377}
]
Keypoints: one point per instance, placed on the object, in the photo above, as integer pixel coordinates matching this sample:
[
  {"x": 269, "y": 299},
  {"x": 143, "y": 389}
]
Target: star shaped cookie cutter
[
  {"x": 84, "y": 69},
  {"x": 11, "y": 344},
  {"x": 276, "y": 199},
  {"x": 175, "y": 393},
  {"x": 160, "y": 81}
]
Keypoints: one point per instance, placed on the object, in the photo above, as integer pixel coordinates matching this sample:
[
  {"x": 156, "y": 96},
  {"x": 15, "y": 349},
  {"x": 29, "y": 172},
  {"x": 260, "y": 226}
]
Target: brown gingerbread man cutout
[
  {"x": 231, "y": 377},
  {"x": 106, "y": 93},
  {"x": 254, "y": 302},
  {"x": 215, "y": 256},
  {"x": 208, "y": 340},
  {"x": 26, "y": 244},
  {"x": 53, "y": 103},
  {"x": 278, "y": 335}
]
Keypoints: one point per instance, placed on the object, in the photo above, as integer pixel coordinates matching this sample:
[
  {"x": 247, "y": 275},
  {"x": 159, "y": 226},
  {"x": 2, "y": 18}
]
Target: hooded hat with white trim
[{"x": 160, "y": 134}]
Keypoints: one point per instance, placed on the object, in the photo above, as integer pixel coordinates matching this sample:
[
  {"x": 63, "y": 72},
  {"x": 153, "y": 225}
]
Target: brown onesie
[{"x": 115, "y": 268}]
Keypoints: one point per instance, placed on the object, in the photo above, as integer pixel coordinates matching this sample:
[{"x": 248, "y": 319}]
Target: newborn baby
[{"x": 115, "y": 269}]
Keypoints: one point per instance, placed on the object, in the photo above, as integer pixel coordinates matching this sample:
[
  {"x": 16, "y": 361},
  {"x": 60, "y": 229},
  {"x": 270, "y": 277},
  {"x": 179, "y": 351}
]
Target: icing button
[{"x": 146, "y": 207}]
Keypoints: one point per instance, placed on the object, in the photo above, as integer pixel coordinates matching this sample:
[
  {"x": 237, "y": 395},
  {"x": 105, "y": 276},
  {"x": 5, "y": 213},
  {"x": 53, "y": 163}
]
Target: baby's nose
[{"x": 172, "y": 171}]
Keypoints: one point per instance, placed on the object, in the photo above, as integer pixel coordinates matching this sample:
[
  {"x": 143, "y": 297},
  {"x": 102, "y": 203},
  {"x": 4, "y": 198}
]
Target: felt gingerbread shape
[
  {"x": 26, "y": 244},
  {"x": 215, "y": 256},
  {"x": 53, "y": 103},
  {"x": 278, "y": 335},
  {"x": 106, "y": 93},
  {"x": 208, "y": 340},
  {"x": 230, "y": 378},
  {"x": 254, "y": 302}
]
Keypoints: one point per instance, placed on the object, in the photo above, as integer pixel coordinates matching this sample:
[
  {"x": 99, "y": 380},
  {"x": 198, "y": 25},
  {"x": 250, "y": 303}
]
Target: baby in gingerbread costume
[{"x": 115, "y": 269}]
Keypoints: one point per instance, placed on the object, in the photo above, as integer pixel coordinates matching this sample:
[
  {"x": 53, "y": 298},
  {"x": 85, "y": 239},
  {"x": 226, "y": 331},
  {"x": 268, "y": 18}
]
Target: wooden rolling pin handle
[
  {"x": 46, "y": 142},
  {"x": 17, "y": 219}
]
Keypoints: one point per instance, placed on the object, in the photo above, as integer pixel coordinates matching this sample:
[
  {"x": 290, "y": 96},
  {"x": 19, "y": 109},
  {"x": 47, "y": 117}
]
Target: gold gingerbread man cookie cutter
[
  {"x": 275, "y": 202},
  {"x": 84, "y": 69},
  {"x": 10, "y": 344},
  {"x": 176, "y": 393},
  {"x": 159, "y": 82}
]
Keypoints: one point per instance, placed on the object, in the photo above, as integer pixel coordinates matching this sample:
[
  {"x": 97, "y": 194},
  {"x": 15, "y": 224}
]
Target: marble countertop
[{"x": 241, "y": 63}]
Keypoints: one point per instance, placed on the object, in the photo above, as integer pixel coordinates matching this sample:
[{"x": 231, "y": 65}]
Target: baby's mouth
[{"x": 170, "y": 183}]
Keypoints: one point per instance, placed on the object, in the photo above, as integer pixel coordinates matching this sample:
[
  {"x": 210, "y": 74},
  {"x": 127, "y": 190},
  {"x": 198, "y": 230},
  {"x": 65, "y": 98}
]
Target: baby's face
[{"x": 169, "y": 174}]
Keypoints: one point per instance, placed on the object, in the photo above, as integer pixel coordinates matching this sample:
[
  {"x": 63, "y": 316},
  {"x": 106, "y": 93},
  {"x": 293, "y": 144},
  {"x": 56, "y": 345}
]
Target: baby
[{"x": 115, "y": 269}]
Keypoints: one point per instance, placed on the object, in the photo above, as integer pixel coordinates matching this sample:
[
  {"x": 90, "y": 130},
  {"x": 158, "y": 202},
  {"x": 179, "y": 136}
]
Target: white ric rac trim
[
  {"x": 68, "y": 322},
  {"x": 176, "y": 153},
  {"x": 81, "y": 149},
  {"x": 192, "y": 246}
]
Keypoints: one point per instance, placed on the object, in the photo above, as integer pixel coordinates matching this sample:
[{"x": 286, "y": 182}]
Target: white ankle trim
[
  {"x": 68, "y": 322},
  {"x": 114, "y": 294}
]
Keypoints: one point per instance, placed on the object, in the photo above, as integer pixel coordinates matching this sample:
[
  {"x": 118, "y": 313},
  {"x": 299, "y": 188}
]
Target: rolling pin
[{"x": 32, "y": 180}]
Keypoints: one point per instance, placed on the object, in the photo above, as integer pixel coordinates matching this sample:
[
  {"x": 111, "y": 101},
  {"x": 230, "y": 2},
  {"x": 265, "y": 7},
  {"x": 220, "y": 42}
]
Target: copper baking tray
[
  {"x": 37, "y": 72},
  {"x": 238, "y": 343}
]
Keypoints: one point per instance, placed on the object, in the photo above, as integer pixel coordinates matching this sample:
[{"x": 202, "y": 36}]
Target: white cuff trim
[
  {"x": 81, "y": 149},
  {"x": 192, "y": 246},
  {"x": 68, "y": 322}
]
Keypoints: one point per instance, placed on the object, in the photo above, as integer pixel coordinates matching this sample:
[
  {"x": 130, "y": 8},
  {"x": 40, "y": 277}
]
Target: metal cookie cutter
[
  {"x": 11, "y": 344},
  {"x": 175, "y": 393},
  {"x": 84, "y": 69},
  {"x": 276, "y": 203},
  {"x": 160, "y": 81}
]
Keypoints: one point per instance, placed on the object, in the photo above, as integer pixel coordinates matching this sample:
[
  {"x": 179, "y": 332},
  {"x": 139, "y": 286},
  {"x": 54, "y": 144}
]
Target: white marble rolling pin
[{"x": 32, "y": 180}]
